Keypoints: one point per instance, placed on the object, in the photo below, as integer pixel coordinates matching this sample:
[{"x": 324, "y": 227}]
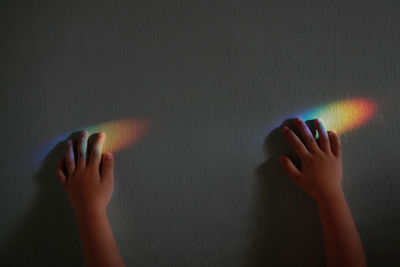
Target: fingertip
[
  {"x": 323, "y": 137},
  {"x": 99, "y": 139},
  {"x": 84, "y": 132},
  {"x": 108, "y": 156},
  {"x": 335, "y": 136},
  {"x": 82, "y": 149},
  {"x": 336, "y": 143},
  {"x": 68, "y": 146},
  {"x": 318, "y": 123},
  {"x": 285, "y": 129}
]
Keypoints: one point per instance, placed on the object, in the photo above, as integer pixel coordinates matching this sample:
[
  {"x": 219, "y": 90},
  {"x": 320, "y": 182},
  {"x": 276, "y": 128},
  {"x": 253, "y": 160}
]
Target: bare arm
[
  {"x": 320, "y": 177},
  {"x": 98, "y": 244},
  {"x": 342, "y": 241},
  {"x": 89, "y": 188}
]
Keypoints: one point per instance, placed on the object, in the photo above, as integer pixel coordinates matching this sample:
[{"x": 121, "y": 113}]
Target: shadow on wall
[
  {"x": 48, "y": 235},
  {"x": 287, "y": 230}
]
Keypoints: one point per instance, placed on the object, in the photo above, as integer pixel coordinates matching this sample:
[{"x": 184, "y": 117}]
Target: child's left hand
[{"x": 88, "y": 187}]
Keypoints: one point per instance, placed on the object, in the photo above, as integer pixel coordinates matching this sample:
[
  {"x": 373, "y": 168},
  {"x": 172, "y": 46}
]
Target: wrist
[
  {"x": 90, "y": 212},
  {"x": 331, "y": 198}
]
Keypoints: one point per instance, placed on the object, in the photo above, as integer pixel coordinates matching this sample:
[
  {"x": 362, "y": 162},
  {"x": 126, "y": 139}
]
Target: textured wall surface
[{"x": 213, "y": 79}]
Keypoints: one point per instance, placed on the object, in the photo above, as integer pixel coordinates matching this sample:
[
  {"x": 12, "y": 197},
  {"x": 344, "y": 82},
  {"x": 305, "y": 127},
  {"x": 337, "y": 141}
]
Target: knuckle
[
  {"x": 81, "y": 154},
  {"x": 328, "y": 152},
  {"x": 308, "y": 158},
  {"x": 322, "y": 138},
  {"x": 310, "y": 139},
  {"x": 322, "y": 153}
]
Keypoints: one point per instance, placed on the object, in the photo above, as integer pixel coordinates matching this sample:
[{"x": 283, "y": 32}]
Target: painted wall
[{"x": 190, "y": 93}]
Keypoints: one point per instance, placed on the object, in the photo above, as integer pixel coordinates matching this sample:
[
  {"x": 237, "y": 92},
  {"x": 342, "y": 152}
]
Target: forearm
[
  {"x": 98, "y": 244},
  {"x": 343, "y": 245}
]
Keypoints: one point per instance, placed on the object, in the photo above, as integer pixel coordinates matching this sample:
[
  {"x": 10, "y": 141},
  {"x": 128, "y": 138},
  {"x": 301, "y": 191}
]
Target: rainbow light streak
[
  {"x": 119, "y": 135},
  {"x": 342, "y": 116}
]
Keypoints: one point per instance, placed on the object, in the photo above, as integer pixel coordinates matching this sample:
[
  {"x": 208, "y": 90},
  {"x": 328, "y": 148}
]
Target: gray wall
[{"x": 212, "y": 78}]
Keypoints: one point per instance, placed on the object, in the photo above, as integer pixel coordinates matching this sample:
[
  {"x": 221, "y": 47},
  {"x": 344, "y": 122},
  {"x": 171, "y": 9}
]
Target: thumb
[
  {"x": 289, "y": 168},
  {"x": 107, "y": 167},
  {"x": 60, "y": 171}
]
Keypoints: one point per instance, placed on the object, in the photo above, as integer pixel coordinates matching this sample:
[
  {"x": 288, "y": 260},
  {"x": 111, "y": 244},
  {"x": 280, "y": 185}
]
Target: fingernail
[
  {"x": 285, "y": 129},
  {"x": 322, "y": 125},
  {"x": 101, "y": 134},
  {"x": 69, "y": 142},
  {"x": 108, "y": 156}
]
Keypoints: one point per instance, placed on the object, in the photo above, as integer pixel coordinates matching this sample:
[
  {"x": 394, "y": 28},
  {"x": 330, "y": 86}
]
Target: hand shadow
[
  {"x": 287, "y": 230},
  {"x": 48, "y": 235}
]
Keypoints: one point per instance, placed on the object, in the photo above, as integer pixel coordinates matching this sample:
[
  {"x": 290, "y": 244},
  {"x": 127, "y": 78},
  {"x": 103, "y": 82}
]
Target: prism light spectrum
[
  {"x": 342, "y": 116},
  {"x": 120, "y": 134}
]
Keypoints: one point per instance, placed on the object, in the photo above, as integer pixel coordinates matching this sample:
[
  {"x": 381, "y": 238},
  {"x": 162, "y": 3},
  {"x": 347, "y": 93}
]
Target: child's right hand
[{"x": 321, "y": 166}]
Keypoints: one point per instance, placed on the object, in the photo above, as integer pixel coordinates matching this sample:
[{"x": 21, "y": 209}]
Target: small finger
[
  {"x": 322, "y": 136},
  {"x": 69, "y": 157},
  {"x": 82, "y": 147},
  {"x": 296, "y": 143},
  {"x": 95, "y": 154},
  {"x": 107, "y": 168},
  {"x": 307, "y": 135},
  {"x": 336, "y": 144},
  {"x": 62, "y": 177}
]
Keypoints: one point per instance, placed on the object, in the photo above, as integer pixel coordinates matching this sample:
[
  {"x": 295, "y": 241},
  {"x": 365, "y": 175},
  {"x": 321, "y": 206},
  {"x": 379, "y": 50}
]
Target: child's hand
[
  {"x": 88, "y": 187},
  {"x": 321, "y": 166}
]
